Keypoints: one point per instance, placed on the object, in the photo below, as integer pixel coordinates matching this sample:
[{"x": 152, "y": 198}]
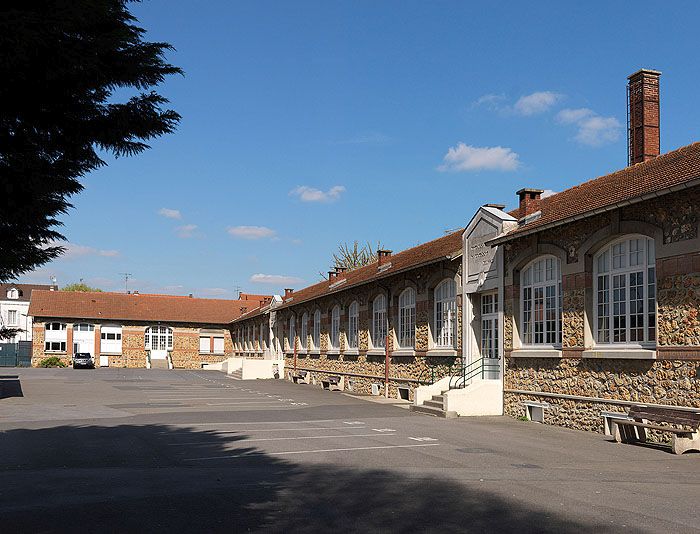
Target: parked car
[{"x": 83, "y": 359}]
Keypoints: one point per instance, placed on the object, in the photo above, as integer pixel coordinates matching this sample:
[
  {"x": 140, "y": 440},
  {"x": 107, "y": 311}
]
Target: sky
[{"x": 307, "y": 124}]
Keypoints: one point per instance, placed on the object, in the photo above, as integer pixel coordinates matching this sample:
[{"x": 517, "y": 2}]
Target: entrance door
[
  {"x": 104, "y": 361},
  {"x": 490, "y": 336}
]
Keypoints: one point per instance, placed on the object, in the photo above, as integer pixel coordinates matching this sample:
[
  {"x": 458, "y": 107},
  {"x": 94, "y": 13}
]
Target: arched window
[
  {"x": 292, "y": 332},
  {"x": 317, "y": 329},
  {"x": 159, "y": 338},
  {"x": 407, "y": 318},
  {"x": 13, "y": 293},
  {"x": 335, "y": 327},
  {"x": 379, "y": 326},
  {"x": 445, "y": 313},
  {"x": 353, "y": 318},
  {"x": 625, "y": 292},
  {"x": 540, "y": 302},
  {"x": 304, "y": 338},
  {"x": 84, "y": 327}
]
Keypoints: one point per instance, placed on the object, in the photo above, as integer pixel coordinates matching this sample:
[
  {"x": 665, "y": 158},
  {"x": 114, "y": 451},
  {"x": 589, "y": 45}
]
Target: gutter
[
  {"x": 673, "y": 189},
  {"x": 384, "y": 274}
]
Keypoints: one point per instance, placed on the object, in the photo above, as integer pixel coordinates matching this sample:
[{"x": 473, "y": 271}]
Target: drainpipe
[
  {"x": 386, "y": 366},
  {"x": 295, "y": 352}
]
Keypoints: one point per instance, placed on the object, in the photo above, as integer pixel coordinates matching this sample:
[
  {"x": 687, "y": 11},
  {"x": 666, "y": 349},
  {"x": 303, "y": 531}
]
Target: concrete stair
[
  {"x": 159, "y": 364},
  {"x": 237, "y": 374},
  {"x": 434, "y": 407}
]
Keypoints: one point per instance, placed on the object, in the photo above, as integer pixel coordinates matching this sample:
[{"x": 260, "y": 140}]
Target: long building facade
[{"x": 575, "y": 306}]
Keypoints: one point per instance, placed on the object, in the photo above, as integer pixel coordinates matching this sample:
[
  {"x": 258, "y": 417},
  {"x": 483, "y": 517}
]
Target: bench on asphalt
[
  {"x": 300, "y": 377},
  {"x": 683, "y": 424},
  {"x": 332, "y": 383}
]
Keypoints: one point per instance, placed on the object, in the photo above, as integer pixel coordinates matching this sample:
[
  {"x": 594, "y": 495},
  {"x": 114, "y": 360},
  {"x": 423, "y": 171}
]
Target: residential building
[
  {"x": 14, "y": 306},
  {"x": 135, "y": 330}
]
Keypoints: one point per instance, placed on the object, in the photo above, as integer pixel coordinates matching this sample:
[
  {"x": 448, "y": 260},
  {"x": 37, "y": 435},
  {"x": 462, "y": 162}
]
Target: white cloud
[
  {"x": 548, "y": 193},
  {"x": 296, "y": 241},
  {"x": 251, "y": 232},
  {"x": 536, "y": 103},
  {"x": 275, "y": 279},
  {"x": 491, "y": 101},
  {"x": 592, "y": 129},
  {"x": 73, "y": 251},
  {"x": 214, "y": 291},
  {"x": 471, "y": 158},
  {"x": 186, "y": 231},
  {"x": 309, "y": 194},
  {"x": 169, "y": 213}
]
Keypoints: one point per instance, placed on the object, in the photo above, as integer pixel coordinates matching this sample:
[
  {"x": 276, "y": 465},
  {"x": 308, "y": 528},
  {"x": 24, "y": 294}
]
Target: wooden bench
[
  {"x": 685, "y": 426},
  {"x": 332, "y": 382},
  {"x": 300, "y": 377}
]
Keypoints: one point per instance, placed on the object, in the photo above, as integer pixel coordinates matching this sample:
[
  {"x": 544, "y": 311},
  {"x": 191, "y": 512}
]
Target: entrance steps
[
  {"x": 435, "y": 407},
  {"x": 159, "y": 364},
  {"x": 237, "y": 374}
]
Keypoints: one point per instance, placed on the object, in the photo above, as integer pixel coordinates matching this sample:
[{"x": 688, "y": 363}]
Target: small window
[
  {"x": 204, "y": 344},
  {"x": 55, "y": 346},
  {"x": 84, "y": 327},
  {"x": 55, "y": 326},
  {"x": 218, "y": 345},
  {"x": 12, "y": 317},
  {"x": 13, "y": 294}
]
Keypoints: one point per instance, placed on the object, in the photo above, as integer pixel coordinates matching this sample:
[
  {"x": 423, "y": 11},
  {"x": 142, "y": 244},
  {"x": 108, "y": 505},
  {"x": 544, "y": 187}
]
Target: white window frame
[
  {"x": 12, "y": 318},
  {"x": 48, "y": 346},
  {"x": 380, "y": 325},
  {"x": 540, "y": 281},
  {"x": 335, "y": 328},
  {"x": 114, "y": 345},
  {"x": 304, "y": 338},
  {"x": 316, "y": 334},
  {"x": 55, "y": 332},
  {"x": 13, "y": 294},
  {"x": 615, "y": 261},
  {"x": 79, "y": 327},
  {"x": 445, "y": 314},
  {"x": 160, "y": 331},
  {"x": 407, "y": 318},
  {"x": 353, "y": 325},
  {"x": 489, "y": 331}
]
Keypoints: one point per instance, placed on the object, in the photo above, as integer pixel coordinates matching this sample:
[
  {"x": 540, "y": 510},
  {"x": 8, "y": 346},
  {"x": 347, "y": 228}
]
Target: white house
[{"x": 14, "y": 305}]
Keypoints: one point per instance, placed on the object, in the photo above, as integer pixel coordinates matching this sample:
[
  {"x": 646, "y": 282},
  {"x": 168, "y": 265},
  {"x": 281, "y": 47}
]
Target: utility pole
[{"x": 126, "y": 281}]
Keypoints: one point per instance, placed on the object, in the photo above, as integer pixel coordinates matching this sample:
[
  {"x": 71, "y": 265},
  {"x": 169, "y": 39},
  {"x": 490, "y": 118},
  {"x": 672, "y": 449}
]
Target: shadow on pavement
[
  {"x": 10, "y": 386},
  {"x": 142, "y": 478}
]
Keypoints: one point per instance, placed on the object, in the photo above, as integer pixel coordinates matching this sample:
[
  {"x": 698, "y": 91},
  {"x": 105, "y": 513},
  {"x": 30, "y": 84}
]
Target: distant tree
[
  {"x": 61, "y": 62},
  {"x": 353, "y": 256},
  {"x": 80, "y": 286}
]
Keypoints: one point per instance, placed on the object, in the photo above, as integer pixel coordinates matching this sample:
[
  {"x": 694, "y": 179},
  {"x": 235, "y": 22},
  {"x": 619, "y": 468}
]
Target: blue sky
[{"x": 306, "y": 124}]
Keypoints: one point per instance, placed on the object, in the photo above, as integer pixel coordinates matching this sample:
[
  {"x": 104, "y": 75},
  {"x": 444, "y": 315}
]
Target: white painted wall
[
  {"x": 253, "y": 369},
  {"x": 23, "y": 321},
  {"x": 481, "y": 397}
]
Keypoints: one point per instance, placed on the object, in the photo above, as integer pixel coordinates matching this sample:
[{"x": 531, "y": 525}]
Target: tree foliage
[
  {"x": 353, "y": 256},
  {"x": 80, "y": 286},
  {"x": 61, "y": 62}
]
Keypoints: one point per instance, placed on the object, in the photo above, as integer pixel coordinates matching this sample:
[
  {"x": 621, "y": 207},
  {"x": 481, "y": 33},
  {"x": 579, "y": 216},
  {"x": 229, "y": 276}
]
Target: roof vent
[{"x": 136, "y": 293}]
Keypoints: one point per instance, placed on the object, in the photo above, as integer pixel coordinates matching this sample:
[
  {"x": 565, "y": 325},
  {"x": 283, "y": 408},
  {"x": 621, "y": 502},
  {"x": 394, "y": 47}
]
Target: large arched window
[
  {"x": 445, "y": 313},
  {"x": 316, "y": 339},
  {"x": 159, "y": 338},
  {"x": 625, "y": 292},
  {"x": 379, "y": 326},
  {"x": 540, "y": 302},
  {"x": 407, "y": 318},
  {"x": 335, "y": 327},
  {"x": 304, "y": 338},
  {"x": 292, "y": 332},
  {"x": 353, "y": 318}
]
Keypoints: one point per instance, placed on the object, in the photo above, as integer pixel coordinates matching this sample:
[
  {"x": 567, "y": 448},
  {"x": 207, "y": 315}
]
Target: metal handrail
[{"x": 472, "y": 370}]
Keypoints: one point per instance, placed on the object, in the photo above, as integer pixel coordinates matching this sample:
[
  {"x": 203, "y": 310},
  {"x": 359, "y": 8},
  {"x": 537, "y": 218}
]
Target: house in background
[
  {"x": 135, "y": 330},
  {"x": 14, "y": 306}
]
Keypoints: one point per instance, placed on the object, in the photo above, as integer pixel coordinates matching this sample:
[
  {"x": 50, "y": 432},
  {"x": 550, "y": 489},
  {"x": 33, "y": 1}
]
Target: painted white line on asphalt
[
  {"x": 282, "y": 429},
  {"x": 384, "y": 430},
  {"x": 346, "y": 449},
  {"x": 282, "y": 439},
  {"x": 353, "y": 423},
  {"x": 203, "y": 398},
  {"x": 260, "y": 423},
  {"x": 244, "y": 403},
  {"x": 423, "y": 439}
]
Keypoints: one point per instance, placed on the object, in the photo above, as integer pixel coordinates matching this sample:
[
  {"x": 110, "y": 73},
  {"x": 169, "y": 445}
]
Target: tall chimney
[
  {"x": 529, "y": 201},
  {"x": 643, "y": 116},
  {"x": 382, "y": 255}
]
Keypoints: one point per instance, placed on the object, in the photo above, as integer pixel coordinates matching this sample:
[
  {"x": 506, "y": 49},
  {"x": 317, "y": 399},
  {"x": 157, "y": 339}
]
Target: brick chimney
[
  {"x": 332, "y": 275},
  {"x": 529, "y": 201},
  {"x": 340, "y": 270},
  {"x": 288, "y": 292},
  {"x": 383, "y": 255},
  {"x": 643, "y": 116}
]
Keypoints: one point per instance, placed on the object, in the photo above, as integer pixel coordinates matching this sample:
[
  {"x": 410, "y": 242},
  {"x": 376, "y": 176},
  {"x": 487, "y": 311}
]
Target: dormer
[{"x": 13, "y": 293}]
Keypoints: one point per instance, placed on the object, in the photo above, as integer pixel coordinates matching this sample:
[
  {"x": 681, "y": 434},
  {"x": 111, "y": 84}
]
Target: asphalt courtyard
[{"x": 116, "y": 450}]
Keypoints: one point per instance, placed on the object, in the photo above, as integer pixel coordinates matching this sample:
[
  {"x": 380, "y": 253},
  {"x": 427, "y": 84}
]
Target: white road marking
[
  {"x": 260, "y": 423},
  {"x": 244, "y": 403},
  {"x": 203, "y": 398},
  {"x": 312, "y": 451},
  {"x": 423, "y": 439},
  {"x": 353, "y": 423},
  {"x": 384, "y": 430},
  {"x": 282, "y": 439}
]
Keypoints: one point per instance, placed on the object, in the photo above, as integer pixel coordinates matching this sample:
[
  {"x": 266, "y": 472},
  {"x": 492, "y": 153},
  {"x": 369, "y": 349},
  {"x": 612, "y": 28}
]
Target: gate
[{"x": 16, "y": 354}]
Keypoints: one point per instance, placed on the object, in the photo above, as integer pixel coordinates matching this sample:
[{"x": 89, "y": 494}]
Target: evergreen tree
[{"x": 61, "y": 62}]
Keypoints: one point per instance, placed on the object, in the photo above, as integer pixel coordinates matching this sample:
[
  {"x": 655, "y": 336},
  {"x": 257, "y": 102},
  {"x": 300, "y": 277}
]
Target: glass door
[{"x": 490, "y": 337}]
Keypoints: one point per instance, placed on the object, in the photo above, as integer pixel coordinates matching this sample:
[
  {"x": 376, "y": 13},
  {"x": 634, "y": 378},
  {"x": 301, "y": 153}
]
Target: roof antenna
[{"x": 126, "y": 281}]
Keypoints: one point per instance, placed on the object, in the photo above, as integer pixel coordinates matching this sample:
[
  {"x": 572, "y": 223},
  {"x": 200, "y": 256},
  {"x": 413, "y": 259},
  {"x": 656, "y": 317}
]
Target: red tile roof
[
  {"x": 671, "y": 170},
  {"x": 136, "y": 307},
  {"x": 25, "y": 290},
  {"x": 446, "y": 247}
]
